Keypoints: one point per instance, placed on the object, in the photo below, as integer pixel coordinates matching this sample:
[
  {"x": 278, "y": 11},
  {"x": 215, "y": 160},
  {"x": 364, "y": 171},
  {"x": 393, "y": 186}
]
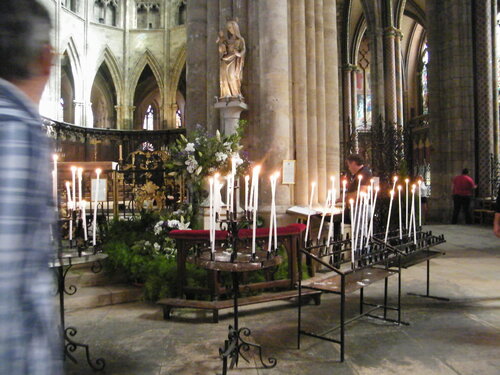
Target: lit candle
[
  {"x": 273, "y": 212},
  {"x": 84, "y": 219},
  {"x": 255, "y": 205},
  {"x": 332, "y": 211},
  {"x": 96, "y": 200},
  {"x": 323, "y": 212},
  {"x": 211, "y": 212},
  {"x": 80, "y": 177},
  {"x": 353, "y": 231},
  {"x": 313, "y": 186},
  {"x": 389, "y": 217},
  {"x": 395, "y": 180},
  {"x": 68, "y": 194},
  {"x": 360, "y": 177},
  {"x": 400, "y": 213},
  {"x": 120, "y": 151},
  {"x": 407, "y": 180},
  {"x": 412, "y": 215},
  {"x": 73, "y": 176},
  {"x": 370, "y": 232},
  {"x": 419, "y": 203},
  {"x": 54, "y": 180},
  {"x": 277, "y": 174},
  {"x": 344, "y": 183},
  {"x": 247, "y": 179}
]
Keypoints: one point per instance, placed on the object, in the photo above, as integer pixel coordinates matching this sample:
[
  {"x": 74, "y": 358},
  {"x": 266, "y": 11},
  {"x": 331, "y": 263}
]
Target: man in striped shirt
[{"x": 29, "y": 339}]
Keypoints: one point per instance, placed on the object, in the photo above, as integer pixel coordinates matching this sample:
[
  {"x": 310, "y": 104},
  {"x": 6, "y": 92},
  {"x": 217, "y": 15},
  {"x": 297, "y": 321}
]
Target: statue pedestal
[{"x": 230, "y": 111}]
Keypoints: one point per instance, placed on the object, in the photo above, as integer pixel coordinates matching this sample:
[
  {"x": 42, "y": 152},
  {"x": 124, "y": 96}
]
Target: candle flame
[
  {"x": 55, "y": 157},
  {"x": 67, "y": 183},
  {"x": 80, "y": 171},
  {"x": 392, "y": 192},
  {"x": 344, "y": 182},
  {"x": 400, "y": 187},
  {"x": 247, "y": 178},
  {"x": 313, "y": 184},
  {"x": 407, "y": 180},
  {"x": 360, "y": 177},
  {"x": 377, "y": 189},
  {"x": 395, "y": 178},
  {"x": 419, "y": 182},
  {"x": 256, "y": 169},
  {"x": 98, "y": 170},
  {"x": 351, "y": 201},
  {"x": 73, "y": 168}
]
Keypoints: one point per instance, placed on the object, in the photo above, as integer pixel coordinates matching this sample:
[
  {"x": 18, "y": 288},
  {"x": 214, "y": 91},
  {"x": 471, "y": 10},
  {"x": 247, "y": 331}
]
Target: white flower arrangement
[
  {"x": 189, "y": 147},
  {"x": 220, "y": 156}
]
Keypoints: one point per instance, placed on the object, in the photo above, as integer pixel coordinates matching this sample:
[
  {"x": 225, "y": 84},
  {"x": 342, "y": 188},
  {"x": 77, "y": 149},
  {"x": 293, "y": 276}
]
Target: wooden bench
[{"x": 170, "y": 303}]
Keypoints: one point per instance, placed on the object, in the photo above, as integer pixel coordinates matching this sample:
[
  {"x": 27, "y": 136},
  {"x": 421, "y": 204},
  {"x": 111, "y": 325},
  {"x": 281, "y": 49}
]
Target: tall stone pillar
[
  {"x": 275, "y": 126},
  {"x": 399, "y": 77},
  {"x": 332, "y": 89},
  {"x": 484, "y": 95},
  {"x": 391, "y": 114},
  {"x": 312, "y": 117},
  {"x": 354, "y": 106},
  {"x": 196, "y": 60},
  {"x": 321, "y": 145},
  {"x": 346, "y": 103},
  {"x": 299, "y": 97}
]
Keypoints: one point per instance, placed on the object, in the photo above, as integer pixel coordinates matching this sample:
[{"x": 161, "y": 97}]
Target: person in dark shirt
[
  {"x": 463, "y": 186},
  {"x": 496, "y": 222},
  {"x": 356, "y": 166}
]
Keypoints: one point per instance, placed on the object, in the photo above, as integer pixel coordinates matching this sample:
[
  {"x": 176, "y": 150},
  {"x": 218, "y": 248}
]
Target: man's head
[
  {"x": 25, "y": 51},
  {"x": 465, "y": 171},
  {"x": 354, "y": 163}
]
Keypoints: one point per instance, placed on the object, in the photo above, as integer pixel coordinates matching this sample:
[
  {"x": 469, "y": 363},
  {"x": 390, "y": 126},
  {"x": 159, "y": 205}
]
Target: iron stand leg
[
  {"x": 236, "y": 343},
  {"x": 361, "y": 300},
  {"x": 386, "y": 284},
  {"x": 427, "y": 294},
  {"x": 69, "y": 345},
  {"x": 342, "y": 318}
]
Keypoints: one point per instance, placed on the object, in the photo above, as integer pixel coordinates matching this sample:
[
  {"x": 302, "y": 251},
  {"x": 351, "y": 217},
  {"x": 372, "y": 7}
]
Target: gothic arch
[
  {"x": 109, "y": 58},
  {"x": 76, "y": 66},
  {"x": 171, "y": 102},
  {"x": 147, "y": 94},
  {"x": 359, "y": 32},
  {"x": 147, "y": 59}
]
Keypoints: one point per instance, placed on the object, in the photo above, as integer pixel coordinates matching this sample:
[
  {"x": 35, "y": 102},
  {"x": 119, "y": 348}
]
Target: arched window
[
  {"x": 149, "y": 119},
  {"x": 148, "y": 15},
  {"x": 363, "y": 91},
  {"x": 182, "y": 15},
  {"x": 178, "y": 119},
  {"x": 424, "y": 81},
  {"x": 71, "y": 5}
]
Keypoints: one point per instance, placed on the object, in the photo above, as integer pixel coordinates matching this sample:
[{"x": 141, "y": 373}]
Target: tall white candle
[
  {"x": 420, "y": 203},
  {"x": 313, "y": 186},
  {"x": 395, "y": 180},
  {"x": 73, "y": 176},
  {"x": 360, "y": 177},
  {"x": 344, "y": 188},
  {"x": 273, "y": 212},
  {"x": 389, "y": 217},
  {"x": 255, "y": 206},
  {"x": 247, "y": 179},
  {"x": 353, "y": 231},
  {"x": 400, "y": 213},
  {"x": 120, "y": 152},
  {"x": 54, "y": 180},
  {"x": 332, "y": 211},
  {"x": 83, "y": 204},
  {"x": 277, "y": 175},
  {"x": 80, "y": 177},
  {"x": 374, "y": 206},
  {"x": 407, "y": 180},
  {"x": 412, "y": 215},
  {"x": 324, "y": 211},
  {"x": 96, "y": 202},
  {"x": 411, "y": 212},
  {"x": 68, "y": 194},
  {"x": 211, "y": 213}
]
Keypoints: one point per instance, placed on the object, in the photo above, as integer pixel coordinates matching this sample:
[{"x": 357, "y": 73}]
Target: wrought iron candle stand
[
  {"x": 61, "y": 266},
  {"x": 236, "y": 258},
  {"x": 78, "y": 241},
  {"x": 414, "y": 253}
]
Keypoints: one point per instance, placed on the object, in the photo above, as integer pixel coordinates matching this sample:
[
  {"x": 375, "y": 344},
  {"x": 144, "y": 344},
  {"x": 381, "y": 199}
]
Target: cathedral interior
[{"x": 295, "y": 86}]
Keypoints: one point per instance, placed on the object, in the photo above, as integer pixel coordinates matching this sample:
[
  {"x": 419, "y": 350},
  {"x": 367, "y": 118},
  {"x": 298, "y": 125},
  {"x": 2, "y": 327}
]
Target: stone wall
[{"x": 125, "y": 49}]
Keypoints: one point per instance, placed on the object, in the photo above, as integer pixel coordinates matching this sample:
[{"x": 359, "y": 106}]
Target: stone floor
[{"x": 457, "y": 337}]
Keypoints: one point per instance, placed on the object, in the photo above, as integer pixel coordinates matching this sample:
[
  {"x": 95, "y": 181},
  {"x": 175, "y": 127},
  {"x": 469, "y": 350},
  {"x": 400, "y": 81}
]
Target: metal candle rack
[{"x": 236, "y": 257}]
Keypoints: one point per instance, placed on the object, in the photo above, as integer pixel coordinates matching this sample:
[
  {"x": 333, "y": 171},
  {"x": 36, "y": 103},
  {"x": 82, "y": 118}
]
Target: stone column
[
  {"x": 347, "y": 105},
  {"x": 484, "y": 96},
  {"x": 79, "y": 113},
  {"x": 196, "y": 60},
  {"x": 321, "y": 145},
  {"x": 354, "y": 106},
  {"x": 299, "y": 97},
  {"x": 275, "y": 126},
  {"x": 399, "y": 77},
  {"x": 391, "y": 114},
  {"x": 312, "y": 120},
  {"x": 332, "y": 89}
]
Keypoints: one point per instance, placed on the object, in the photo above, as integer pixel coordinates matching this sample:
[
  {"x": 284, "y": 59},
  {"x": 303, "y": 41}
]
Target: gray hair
[{"x": 24, "y": 30}]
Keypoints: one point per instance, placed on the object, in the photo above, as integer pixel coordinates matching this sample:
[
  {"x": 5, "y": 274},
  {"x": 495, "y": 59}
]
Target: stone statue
[{"x": 232, "y": 51}]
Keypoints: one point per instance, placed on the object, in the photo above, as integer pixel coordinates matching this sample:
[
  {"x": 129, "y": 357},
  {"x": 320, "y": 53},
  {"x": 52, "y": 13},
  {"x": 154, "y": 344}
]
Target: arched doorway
[
  {"x": 147, "y": 101},
  {"x": 103, "y": 99}
]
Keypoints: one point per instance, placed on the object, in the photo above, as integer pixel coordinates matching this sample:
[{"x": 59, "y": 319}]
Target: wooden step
[{"x": 170, "y": 303}]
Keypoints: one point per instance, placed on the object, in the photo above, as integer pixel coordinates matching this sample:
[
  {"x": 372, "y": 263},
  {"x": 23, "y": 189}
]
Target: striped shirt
[{"x": 29, "y": 337}]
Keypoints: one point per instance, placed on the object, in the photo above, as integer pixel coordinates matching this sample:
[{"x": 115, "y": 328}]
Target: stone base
[{"x": 230, "y": 111}]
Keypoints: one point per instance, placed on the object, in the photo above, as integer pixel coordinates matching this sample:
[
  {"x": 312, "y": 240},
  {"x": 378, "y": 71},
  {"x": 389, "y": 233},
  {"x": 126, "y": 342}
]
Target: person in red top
[{"x": 463, "y": 185}]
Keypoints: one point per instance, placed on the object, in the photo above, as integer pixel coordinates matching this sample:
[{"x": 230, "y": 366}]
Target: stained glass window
[
  {"x": 149, "y": 117},
  {"x": 424, "y": 81}
]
